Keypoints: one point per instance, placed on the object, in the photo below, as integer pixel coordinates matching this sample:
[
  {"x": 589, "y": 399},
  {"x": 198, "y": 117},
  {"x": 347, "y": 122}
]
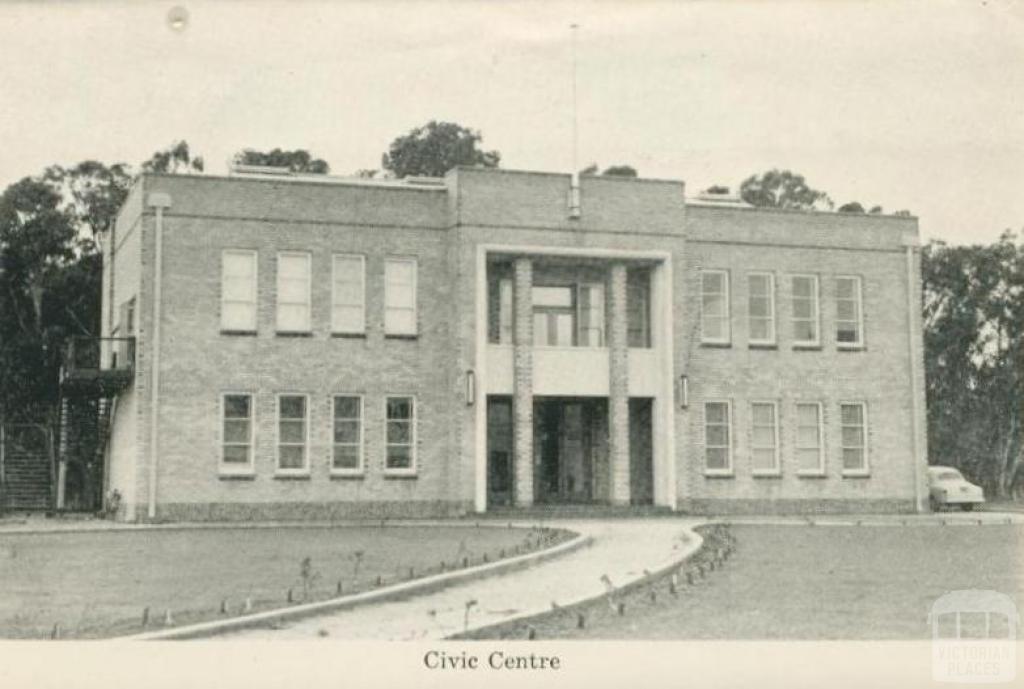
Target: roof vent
[
  {"x": 423, "y": 180},
  {"x": 261, "y": 170},
  {"x": 720, "y": 196}
]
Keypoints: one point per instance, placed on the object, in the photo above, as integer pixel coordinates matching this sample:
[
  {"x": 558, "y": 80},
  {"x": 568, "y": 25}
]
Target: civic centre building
[{"x": 312, "y": 347}]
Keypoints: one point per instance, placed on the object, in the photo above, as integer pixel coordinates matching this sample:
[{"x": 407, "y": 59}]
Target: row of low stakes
[
  {"x": 539, "y": 538},
  {"x": 706, "y": 561}
]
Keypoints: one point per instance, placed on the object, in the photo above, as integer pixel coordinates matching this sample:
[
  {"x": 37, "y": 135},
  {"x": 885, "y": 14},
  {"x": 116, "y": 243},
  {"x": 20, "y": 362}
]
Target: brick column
[
  {"x": 522, "y": 401},
  {"x": 618, "y": 394}
]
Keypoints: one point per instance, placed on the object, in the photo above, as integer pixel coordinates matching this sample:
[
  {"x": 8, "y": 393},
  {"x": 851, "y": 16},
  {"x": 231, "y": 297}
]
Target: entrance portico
[{"x": 574, "y": 356}]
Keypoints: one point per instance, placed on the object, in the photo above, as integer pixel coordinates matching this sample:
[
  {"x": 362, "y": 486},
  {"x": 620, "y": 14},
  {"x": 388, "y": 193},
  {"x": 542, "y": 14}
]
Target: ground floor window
[
  {"x": 347, "y": 455},
  {"x": 292, "y": 433},
  {"x": 236, "y": 432},
  {"x": 717, "y": 438},
  {"x": 400, "y": 434},
  {"x": 765, "y": 438},
  {"x": 808, "y": 439},
  {"x": 853, "y": 418}
]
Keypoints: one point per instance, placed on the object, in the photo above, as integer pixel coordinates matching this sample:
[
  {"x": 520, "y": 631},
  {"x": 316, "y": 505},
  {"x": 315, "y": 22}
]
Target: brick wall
[{"x": 879, "y": 374}]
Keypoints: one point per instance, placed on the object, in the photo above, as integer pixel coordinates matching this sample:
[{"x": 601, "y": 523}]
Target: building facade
[{"x": 326, "y": 348}]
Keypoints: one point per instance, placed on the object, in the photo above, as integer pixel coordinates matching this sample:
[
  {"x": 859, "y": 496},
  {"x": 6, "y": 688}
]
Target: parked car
[{"x": 947, "y": 487}]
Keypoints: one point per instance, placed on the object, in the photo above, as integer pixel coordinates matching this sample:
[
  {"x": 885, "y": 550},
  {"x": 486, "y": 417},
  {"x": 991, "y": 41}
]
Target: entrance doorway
[{"x": 570, "y": 449}]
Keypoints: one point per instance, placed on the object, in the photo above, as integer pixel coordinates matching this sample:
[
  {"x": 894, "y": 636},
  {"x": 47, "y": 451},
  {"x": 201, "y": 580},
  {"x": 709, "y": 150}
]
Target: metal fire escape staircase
[{"x": 95, "y": 371}]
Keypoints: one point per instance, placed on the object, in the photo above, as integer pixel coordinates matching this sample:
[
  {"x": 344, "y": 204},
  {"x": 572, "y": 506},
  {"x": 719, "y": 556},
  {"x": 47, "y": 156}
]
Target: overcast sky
[{"x": 907, "y": 105}]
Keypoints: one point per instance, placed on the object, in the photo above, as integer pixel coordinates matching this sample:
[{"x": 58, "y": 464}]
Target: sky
[{"x": 909, "y": 105}]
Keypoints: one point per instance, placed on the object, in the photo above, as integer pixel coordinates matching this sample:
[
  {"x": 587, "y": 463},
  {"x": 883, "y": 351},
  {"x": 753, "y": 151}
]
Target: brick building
[{"x": 320, "y": 347}]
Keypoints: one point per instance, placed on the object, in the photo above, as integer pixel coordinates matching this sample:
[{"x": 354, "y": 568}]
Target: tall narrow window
[
  {"x": 853, "y": 418},
  {"x": 236, "y": 433},
  {"x": 400, "y": 296},
  {"x": 849, "y": 316},
  {"x": 293, "y": 292},
  {"x": 506, "y": 308},
  {"x": 348, "y": 314},
  {"x": 238, "y": 291},
  {"x": 292, "y": 433},
  {"x": 765, "y": 438},
  {"x": 761, "y": 305},
  {"x": 400, "y": 434},
  {"x": 805, "y": 310},
  {"x": 717, "y": 438},
  {"x": 638, "y": 309},
  {"x": 714, "y": 306},
  {"x": 591, "y": 318},
  {"x": 347, "y": 457}
]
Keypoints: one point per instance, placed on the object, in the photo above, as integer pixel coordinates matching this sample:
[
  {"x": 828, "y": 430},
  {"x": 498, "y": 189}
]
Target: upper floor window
[
  {"x": 400, "y": 296},
  {"x": 238, "y": 291},
  {"x": 761, "y": 306},
  {"x": 292, "y": 433},
  {"x": 554, "y": 316},
  {"x": 348, "y": 314},
  {"x": 717, "y": 438},
  {"x": 714, "y": 306},
  {"x": 805, "y": 310},
  {"x": 591, "y": 309},
  {"x": 236, "y": 449},
  {"x": 638, "y": 309},
  {"x": 293, "y": 292},
  {"x": 849, "y": 314}
]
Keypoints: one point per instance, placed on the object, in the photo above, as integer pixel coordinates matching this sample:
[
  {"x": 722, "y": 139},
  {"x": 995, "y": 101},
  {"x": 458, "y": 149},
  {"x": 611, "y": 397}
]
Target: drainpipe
[
  {"x": 158, "y": 201},
  {"x": 913, "y": 307}
]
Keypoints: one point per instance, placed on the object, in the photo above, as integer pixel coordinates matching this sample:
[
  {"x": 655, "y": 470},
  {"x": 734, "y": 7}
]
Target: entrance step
[{"x": 577, "y": 512}]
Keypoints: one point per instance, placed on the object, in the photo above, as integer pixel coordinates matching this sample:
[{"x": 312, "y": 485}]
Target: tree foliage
[
  {"x": 51, "y": 269},
  {"x": 298, "y": 160},
  {"x": 783, "y": 189},
  {"x": 974, "y": 353},
  {"x": 175, "y": 159},
  {"x": 436, "y": 148},
  {"x": 611, "y": 171}
]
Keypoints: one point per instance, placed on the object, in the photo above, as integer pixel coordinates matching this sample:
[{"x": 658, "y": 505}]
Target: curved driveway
[{"x": 621, "y": 550}]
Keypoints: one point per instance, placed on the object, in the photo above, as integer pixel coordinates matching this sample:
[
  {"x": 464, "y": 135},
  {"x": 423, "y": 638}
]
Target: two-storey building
[{"x": 315, "y": 347}]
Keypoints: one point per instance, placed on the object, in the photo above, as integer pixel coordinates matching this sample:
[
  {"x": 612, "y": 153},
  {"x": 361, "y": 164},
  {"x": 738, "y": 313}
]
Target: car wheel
[
  {"x": 934, "y": 504},
  {"x": 967, "y": 506}
]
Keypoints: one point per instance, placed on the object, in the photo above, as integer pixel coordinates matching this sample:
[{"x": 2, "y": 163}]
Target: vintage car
[{"x": 947, "y": 486}]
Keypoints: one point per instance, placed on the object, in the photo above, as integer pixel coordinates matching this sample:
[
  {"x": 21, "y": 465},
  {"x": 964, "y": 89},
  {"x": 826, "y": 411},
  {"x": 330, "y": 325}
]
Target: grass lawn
[
  {"x": 801, "y": 582},
  {"x": 96, "y": 584}
]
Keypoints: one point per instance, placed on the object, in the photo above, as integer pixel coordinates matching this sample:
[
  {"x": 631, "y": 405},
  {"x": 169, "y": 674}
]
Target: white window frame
[
  {"x": 772, "y": 334},
  {"x": 727, "y": 299},
  {"x": 728, "y": 470},
  {"x": 230, "y": 468},
  {"x": 309, "y": 294},
  {"x": 360, "y": 470},
  {"x": 816, "y": 317},
  {"x": 337, "y": 328},
  {"x": 389, "y": 329},
  {"x": 413, "y": 435},
  {"x": 254, "y": 287},
  {"x": 776, "y": 469},
  {"x": 289, "y": 471},
  {"x": 866, "y": 469},
  {"x": 797, "y": 447},
  {"x": 859, "y": 299}
]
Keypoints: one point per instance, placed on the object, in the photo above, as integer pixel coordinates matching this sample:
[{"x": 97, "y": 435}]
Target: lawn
[
  {"x": 96, "y": 584},
  {"x": 821, "y": 582}
]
